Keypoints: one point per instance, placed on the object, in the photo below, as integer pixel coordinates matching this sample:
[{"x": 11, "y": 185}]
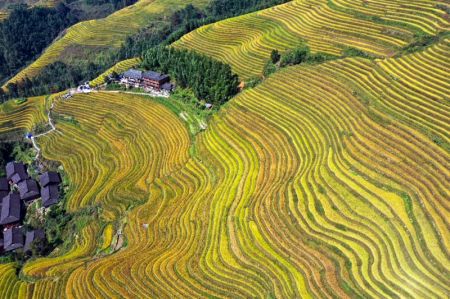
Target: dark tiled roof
[
  {"x": 133, "y": 74},
  {"x": 16, "y": 172},
  {"x": 50, "y": 195},
  {"x": 167, "y": 86},
  {"x": 50, "y": 177},
  {"x": 4, "y": 185},
  {"x": 37, "y": 234},
  {"x": 154, "y": 76},
  {"x": 29, "y": 189},
  {"x": 3, "y": 194},
  {"x": 12, "y": 239},
  {"x": 11, "y": 209}
]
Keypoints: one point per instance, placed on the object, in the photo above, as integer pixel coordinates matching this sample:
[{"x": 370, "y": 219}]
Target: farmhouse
[
  {"x": 49, "y": 177},
  {"x": 4, "y": 188},
  {"x": 147, "y": 80},
  {"x": 31, "y": 236},
  {"x": 50, "y": 195},
  {"x": 154, "y": 80},
  {"x": 11, "y": 209},
  {"x": 16, "y": 172},
  {"x": 132, "y": 77},
  {"x": 28, "y": 190},
  {"x": 12, "y": 239}
]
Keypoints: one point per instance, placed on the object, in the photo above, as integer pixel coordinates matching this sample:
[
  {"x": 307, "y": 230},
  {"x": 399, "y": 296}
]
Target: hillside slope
[
  {"x": 326, "y": 26},
  {"x": 324, "y": 181},
  {"x": 85, "y": 38}
]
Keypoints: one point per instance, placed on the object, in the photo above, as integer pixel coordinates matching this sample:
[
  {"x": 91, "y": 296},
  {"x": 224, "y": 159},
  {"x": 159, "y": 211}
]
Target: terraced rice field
[
  {"x": 22, "y": 117},
  {"x": 105, "y": 33},
  {"x": 325, "y": 181},
  {"x": 246, "y": 41},
  {"x": 118, "y": 68},
  {"x": 310, "y": 185}
]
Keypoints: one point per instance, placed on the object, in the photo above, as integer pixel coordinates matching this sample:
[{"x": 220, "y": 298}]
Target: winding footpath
[{"x": 53, "y": 128}]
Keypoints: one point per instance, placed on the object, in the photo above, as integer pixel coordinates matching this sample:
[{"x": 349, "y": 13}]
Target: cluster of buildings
[
  {"x": 147, "y": 80},
  {"x": 17, "y": 191}
]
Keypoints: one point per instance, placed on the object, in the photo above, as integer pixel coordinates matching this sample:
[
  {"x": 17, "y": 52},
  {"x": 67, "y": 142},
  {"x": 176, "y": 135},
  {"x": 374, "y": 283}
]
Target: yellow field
[
  {"x": 246, "y": 42},
  {"x": 23, "y": 117},
  {"x": 108, "y": 32},
  {"x": 325, "y": 181}
]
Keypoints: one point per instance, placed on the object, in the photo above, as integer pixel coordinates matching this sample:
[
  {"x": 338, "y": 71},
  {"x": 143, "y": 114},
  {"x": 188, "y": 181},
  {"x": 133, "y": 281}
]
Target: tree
[
  {"x": 275, "y": 56},
  {"x": 296, "y": 56}
]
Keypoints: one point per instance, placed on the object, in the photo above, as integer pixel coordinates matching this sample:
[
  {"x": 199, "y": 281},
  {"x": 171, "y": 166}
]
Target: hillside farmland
[
  {"x": 246, "y": 42},
  {"x": 95, "y": 35},
  {"x": 326, "y": 180}
]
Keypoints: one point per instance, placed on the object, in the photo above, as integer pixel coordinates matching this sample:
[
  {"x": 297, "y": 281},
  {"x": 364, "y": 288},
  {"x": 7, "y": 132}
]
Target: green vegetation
[
  {"x": 210, "y": 80},
  {"x": 27, "y": 32}
]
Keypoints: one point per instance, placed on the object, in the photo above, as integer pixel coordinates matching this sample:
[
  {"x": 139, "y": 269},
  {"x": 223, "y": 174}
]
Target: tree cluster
[
  {"x": 53, "y": 78},
  {"x": 26, "y": 32},
  {"x": 59, "y": 76},
  {"x": 116, "y": 4},
  {"x": 210, "y": 79},
  {"x": 230, "y": 8}
]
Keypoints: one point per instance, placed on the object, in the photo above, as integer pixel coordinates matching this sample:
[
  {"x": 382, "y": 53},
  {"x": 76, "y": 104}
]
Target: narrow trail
[{"x": 53, "y": 128}]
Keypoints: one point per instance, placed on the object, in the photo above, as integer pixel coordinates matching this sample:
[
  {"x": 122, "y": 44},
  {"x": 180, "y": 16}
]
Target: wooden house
[
  {"x": 49, "y": 178},
  {"x": 29, "y": 190},
  {"x": 12, "y": 239},
  {"x": 16, "y": 172},
  {"x": 50, "y": 195},
  {"x": 154, "y": 80},
  {"x": 11, "y": 209}
]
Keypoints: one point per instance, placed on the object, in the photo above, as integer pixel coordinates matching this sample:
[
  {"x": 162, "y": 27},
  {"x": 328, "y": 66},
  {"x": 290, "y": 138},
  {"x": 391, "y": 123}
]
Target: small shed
[
  {"x": 29, "y": 190},
  {"x": 11, "y": 209},
  {"x": 49, "y": 177},
  {"x": 31, "y": 236},
  {"x": 50, "y": 195},
  {"x": 12, "y": 239},
  {"x": 16, "y": 172},
  {"x": 168, "y": 87}
]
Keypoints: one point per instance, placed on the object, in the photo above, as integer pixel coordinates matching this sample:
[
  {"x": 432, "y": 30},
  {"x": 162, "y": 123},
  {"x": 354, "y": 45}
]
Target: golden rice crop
[
  {"x": 246, "y": 41},
  {"x": 324, "y": 181},
  {"x": 107, "y": 32}
]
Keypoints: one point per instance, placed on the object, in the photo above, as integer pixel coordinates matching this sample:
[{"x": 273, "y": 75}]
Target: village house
[
  {"x": 28, "y": 190},
  {"x": 50, "y": 195},
  {"x": 16, "y": 172},
  {"x": 154, "y": 80},
  {"x": 147, "y": 80},
  {"x": 12, "y": 239},
  {"x": 132, "y": 77},
  {"x": 4, "y": 188},
  {"x": 31, "y": 236},
  {"x": 49, "y": 177},
  {"x": 11, "y": 209}
]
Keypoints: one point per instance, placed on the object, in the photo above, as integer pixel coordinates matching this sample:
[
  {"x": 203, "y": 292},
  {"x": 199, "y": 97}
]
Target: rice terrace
[{"x": 225, "y": 149}]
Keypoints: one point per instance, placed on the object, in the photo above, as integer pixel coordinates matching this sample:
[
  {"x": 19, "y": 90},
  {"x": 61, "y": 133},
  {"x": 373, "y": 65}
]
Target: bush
[
  {"x": 353, "y": 52},
  {"x": 275, "y": 56},
  {"x": 295, "y": 56},
  {"x": 269, "y": 69}
]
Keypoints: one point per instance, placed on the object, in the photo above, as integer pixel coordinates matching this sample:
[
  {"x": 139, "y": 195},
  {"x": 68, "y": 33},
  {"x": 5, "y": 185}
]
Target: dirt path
[
  {"x": 136, "y": 93},
  {"x": 53, "y": 128}
]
